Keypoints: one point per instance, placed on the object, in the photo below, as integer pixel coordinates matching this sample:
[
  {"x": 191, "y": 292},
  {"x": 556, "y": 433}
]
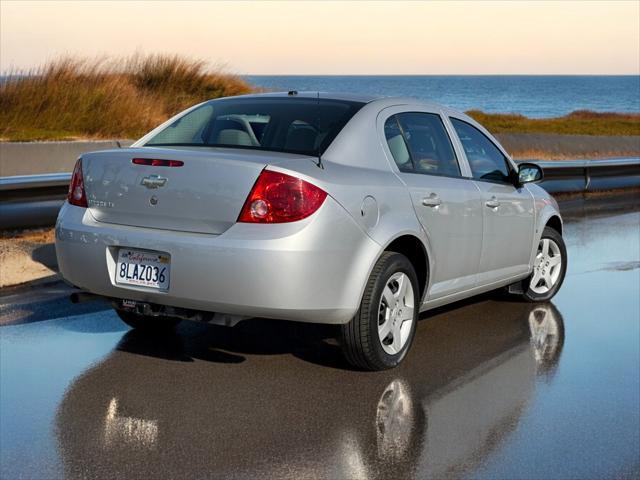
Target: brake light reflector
[
  {"x": 279, "y": 198},
  {"x": 76, "y": 195},
  {"x": 154, "y": 162}
]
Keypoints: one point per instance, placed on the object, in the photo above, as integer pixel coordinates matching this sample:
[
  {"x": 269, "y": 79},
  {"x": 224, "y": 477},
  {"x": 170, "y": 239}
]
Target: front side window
[
  {"x": 486, "y": 160},
  {"x": 295, "y": 125},
  {"x": 419, "y": 143}
]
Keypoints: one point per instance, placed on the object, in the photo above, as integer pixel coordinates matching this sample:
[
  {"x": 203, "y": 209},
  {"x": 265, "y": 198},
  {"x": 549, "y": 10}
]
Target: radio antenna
[{"x": 319, "y": 164}]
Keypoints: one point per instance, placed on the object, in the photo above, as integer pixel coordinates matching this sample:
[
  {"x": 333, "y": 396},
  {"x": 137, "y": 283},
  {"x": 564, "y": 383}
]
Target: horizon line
[{"x": 438, "y": 74}]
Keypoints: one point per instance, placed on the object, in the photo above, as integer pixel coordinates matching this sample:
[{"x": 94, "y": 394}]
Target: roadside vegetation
[
  {"x": 106, "y": 98},
  {"x": 580, "y": 122},
  {"x": 124, "y": 98}
]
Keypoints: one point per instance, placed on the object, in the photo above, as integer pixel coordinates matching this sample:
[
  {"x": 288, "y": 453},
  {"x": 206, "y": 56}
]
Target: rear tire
[
  {"x": 549, "y": 269},
  {"x": 380, "y": 334},
  {"x": 148, "y": 323}
]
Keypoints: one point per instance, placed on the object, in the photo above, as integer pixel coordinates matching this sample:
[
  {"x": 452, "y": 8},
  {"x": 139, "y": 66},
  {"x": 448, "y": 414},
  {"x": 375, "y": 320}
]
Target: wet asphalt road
[{"x": 491, "y": 389}]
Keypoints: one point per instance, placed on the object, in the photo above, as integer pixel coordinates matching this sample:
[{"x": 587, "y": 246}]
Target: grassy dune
[
  {"x": 580, "y": 122},
  {"x": 71, "y": 98}
]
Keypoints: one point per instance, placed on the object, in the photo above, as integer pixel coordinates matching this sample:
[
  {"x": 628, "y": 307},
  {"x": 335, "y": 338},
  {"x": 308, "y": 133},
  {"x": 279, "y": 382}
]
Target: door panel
[
  {"x": 507, "y": 211},
  {"x": 450, "y": 211},
  {"x": 508, "y": 231},
  {"x": 447, "y": 205}
]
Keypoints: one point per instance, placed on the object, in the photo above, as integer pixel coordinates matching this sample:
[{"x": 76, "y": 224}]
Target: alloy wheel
[
  {"x": 395, "y": 313},
  {"x": 546, "y": 267}
]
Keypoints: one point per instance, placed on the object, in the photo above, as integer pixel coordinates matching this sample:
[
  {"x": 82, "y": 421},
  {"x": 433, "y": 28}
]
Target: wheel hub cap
[
  {"x": 546, "y": 267},
  {"x": 395, "y": 314}
]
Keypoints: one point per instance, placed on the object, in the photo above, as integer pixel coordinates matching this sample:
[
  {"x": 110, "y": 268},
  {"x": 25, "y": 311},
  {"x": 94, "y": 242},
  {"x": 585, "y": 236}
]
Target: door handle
[
  {"x": 432, "y": 200},
  {"x": 493, "y": 203}
]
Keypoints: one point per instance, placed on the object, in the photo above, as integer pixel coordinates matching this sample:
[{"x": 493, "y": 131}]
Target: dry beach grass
[
  {"x": 580, "y": 122},
  {"x": 106, "y": 98}
]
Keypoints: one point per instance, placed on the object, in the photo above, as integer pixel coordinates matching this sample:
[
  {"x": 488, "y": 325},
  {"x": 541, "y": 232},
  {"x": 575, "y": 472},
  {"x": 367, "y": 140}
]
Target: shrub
[
  {"x": 580, "y": 122},
  {"x": 106, "y": 98}
]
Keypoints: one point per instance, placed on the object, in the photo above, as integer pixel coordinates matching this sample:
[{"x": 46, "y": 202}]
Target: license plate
[{"x": 143, "y": 268}]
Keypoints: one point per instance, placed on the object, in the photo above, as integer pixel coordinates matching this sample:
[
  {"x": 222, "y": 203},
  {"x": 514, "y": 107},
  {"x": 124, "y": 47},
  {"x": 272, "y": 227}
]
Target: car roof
[
  {"x": 381, "y": 100},
  {"x": 350, "y": 97}
]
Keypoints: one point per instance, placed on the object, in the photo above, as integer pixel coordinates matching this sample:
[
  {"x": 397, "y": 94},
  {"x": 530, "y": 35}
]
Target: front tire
[
  {"x": 148, "y": 323},
  {"x": 380, "y": 334},
  {"x": 549, "y": 268}
]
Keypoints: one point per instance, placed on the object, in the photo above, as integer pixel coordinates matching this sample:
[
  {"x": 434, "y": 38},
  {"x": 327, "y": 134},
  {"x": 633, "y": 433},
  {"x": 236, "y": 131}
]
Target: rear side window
[
  {"x": 296, "y": 125},
  {"x": 397, "y": 144},
  {"x": 419, "y": 143},
  {"x": 486, "y": 160}
]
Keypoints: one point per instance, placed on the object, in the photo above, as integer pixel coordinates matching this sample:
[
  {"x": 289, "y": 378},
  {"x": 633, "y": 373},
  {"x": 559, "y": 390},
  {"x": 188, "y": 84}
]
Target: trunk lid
[{"x": 204, "y": 195}]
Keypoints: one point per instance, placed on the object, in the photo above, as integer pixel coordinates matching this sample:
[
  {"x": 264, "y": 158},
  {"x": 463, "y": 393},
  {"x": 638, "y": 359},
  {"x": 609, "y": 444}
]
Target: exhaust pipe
[{"x": 81, "y": 297}]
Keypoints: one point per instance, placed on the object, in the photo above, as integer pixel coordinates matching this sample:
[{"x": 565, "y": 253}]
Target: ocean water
[{"x": 530, "y": 95}]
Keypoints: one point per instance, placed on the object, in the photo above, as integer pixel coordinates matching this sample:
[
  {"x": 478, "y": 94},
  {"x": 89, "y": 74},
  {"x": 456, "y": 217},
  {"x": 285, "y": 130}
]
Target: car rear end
[{"x": 223, "y": 223}]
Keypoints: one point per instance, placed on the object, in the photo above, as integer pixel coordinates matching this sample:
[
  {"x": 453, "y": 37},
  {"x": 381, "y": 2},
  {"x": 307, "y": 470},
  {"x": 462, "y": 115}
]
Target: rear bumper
[{"x": 313, "y": 270}]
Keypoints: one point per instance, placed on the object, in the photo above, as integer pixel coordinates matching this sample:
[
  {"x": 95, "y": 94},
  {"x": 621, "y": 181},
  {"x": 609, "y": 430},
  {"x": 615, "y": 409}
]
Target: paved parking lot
[{"x": 491, "y": 389}]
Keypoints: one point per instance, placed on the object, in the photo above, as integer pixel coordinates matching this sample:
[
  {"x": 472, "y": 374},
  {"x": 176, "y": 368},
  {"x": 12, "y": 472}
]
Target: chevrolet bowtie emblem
[{"x": 153, "y": 181}]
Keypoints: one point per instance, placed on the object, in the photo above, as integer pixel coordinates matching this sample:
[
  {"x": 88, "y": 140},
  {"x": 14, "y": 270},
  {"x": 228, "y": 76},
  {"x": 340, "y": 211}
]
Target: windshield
[{"x": 296, "y": 125}]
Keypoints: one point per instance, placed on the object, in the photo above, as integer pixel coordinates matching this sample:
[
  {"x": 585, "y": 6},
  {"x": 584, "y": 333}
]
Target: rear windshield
[{"x": 296, "y": 125}]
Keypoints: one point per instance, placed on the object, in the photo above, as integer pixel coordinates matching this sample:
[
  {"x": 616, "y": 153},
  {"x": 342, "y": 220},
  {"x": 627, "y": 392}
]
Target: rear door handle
[
  {"x": 493, "y": 203},
  {"x": 432, "y": 200}
]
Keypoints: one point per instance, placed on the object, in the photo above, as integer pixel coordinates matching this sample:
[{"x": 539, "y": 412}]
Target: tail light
[
  {"x": 76, "y": 195},
  {"x": 153, "y": 162},
  {"x": 279, "y": 198}
]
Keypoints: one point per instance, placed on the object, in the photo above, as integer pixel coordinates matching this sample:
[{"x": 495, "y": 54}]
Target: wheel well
[
  {"x": 555, "y": 223},
  {"x": 412, "y": 248}
]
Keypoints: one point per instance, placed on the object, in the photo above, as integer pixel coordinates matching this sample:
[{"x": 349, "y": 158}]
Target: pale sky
[{"x": 336, "y": 37}]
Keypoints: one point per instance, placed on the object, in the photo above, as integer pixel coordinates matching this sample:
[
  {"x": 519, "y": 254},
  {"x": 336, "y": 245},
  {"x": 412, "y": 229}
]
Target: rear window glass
[
  {"x": 296, "y": 125},
  {"x": 419, "y": 143}
]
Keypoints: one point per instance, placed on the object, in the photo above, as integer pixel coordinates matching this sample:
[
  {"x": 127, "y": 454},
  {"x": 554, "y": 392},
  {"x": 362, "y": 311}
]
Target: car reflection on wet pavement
[{"x": 492, "y": 388}]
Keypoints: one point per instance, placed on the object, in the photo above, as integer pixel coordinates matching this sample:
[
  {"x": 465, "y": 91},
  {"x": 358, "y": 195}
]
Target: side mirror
[{"x": 529, "y": 172}]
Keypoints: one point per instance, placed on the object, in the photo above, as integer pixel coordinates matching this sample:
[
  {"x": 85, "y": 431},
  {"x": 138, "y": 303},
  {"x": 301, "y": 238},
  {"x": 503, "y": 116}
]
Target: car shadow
[
  {"x": 43, "y": 301},
  {"x": 257, "y": 336},
  {"x": 313, "y": 343},
  {"x": 46, "y": 255}
]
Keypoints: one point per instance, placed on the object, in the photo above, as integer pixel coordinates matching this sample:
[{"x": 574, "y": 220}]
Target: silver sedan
[{"x": 338, "y": 209}]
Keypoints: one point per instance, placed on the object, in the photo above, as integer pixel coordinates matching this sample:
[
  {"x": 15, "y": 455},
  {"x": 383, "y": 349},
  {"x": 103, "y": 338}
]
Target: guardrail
[
  {"x": 37, "y": 182},
  {"x": 34, "y": 200},
  {"x": 590, "y": 175}
]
